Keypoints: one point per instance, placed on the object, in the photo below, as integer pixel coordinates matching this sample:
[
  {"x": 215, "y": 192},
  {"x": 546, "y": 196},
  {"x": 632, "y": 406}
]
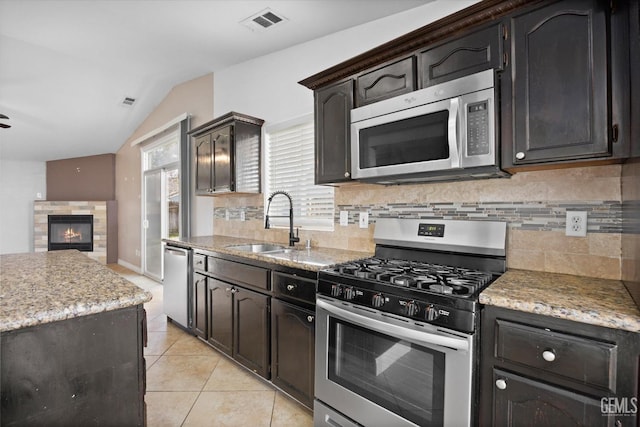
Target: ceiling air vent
[
  {"x": 128, "y": 101},
  {"x": 263, "y": 20}
]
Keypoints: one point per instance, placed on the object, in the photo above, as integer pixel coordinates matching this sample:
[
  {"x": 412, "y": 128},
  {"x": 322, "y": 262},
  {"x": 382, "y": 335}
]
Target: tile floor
[{"x": 191, "y": 384}]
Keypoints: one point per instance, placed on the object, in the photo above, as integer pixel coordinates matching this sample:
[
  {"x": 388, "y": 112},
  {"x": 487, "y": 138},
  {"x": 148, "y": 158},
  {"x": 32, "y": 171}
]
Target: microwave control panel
[{"x": 478, "y": 128}]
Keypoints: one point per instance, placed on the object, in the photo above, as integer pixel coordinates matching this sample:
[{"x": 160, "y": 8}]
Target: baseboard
[{"x": 130, "y": 266}]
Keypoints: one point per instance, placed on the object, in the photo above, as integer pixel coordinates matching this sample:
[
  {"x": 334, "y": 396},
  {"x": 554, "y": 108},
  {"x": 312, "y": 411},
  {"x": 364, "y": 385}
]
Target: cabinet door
[
  {"x": 520, "y": 400},
  {"x": 204, "y": 164},
  {"x": 251, "y": 335},
  {"x": 222, "y": 173},
  {"x": 560, "y": 83},
  {"x": 220, "y": 315},
  {"x": 333, "y": 106},
  {"x": 386, "y": 82},
  {"x": 293, "y": 350},
  {"x": 200, "y": 305},
  {"x": 634, "y": 50},
  {"x": 478, "y": 51}
]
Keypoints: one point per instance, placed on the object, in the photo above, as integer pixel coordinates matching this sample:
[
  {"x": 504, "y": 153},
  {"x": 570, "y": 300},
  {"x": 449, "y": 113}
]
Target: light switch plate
[
  {"x": 226, "y": 214},
  {"x": 344, "y": 218},
  {"x": 242, "y": 216},
  {"x": 364, "y": 219}
]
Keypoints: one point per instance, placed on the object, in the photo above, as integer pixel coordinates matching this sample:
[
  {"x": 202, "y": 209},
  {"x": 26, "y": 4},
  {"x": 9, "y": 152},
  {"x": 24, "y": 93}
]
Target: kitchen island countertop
[
  {"x": 313, "y": 259},
  {"x": 44, "y": 287},
  {"x": 589, "y": 300}
]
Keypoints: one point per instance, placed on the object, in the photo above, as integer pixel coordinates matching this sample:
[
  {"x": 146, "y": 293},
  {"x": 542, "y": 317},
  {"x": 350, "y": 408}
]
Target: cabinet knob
[
  {"x": 228, "y": 289},
  {"x": 347, "y": 174},
  {"x": 309, "y": 319},
  {"x": 501, "y": 384},
  {"x": 291, "y": 287},
  {"x": 520, "y": 155},
  {"x": 549, "y": 355}
]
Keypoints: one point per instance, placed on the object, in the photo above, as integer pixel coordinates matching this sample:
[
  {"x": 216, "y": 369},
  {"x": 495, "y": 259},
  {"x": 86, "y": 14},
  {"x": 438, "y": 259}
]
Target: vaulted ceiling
[{"x": 67, "y": 65}]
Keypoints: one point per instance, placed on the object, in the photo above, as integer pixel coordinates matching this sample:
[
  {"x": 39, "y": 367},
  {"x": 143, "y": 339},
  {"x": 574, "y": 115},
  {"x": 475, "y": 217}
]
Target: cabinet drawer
[
  {"x": 386, "y": 82},
  {"x": 583, "y": 360},
  {"x": 294, "y": 287},
  {"x": 236, "y": 272},
  {"x": 199, "y": 262}
]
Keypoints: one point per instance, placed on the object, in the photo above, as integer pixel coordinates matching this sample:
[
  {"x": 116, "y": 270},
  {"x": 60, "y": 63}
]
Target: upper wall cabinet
[
  {"x": 478, "y": 51},
  {"x": 227, "y": 155},
  {"x": 333, "y": 106},
  {"x": 385, "y": 82},
  {"x": 564, "y": 91},
  {"x": 634, "y": 54}
]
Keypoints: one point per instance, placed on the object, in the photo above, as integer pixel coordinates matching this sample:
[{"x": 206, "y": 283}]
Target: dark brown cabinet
[
  {"x": 200, "y": 306},
  {"x": 227, "y": 155},
  {"x": 221, "y": 315},
  {"x": 478, "y": 51},
  {"x": 387, "y": 81},
  {"x": 561, "y": 100},
  {"x": 251, "y": 343},
  {"x": 333, "y": 106},
  {"x": 538, "y": 370},
  {"x": 293, "y": 336},
  {"x": 634, "y": 54}
]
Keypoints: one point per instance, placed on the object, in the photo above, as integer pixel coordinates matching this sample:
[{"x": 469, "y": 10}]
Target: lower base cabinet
[
  {"x": 293, "y": 351},
  {"x": 542, "y": 371},
  {"x": 239, "y": 324}
]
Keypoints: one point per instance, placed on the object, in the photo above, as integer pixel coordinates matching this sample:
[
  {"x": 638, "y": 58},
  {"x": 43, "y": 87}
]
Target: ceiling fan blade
[
  {"x": 2, "y": 125},
  {"x": 2, "y": 116}
]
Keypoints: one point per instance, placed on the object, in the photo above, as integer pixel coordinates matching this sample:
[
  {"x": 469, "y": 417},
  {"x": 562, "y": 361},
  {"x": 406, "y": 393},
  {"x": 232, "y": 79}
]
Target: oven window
[
  {"x": 417, "y": 139},
  {"x": 405, "y": 378}
]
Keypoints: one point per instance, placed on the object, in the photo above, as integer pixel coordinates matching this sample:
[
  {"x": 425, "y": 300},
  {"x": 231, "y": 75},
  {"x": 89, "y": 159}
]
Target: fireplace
[{"x": 71, "y": 232}]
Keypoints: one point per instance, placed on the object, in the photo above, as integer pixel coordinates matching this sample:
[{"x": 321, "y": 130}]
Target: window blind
[{"x": 290, "y": 167}]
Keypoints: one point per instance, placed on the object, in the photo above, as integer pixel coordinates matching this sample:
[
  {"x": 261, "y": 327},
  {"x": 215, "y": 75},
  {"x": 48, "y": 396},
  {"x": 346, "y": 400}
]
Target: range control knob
[
  {"x": 349, "y": 293},
  {"x": 377, "y": 300},
  {"x": 431, "y": 312},
  {"x": 336, "y": 290},
  {"x": 412, "y": 308}
]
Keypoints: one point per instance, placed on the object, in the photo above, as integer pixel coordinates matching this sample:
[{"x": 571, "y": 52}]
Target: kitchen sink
[{"x": 259, "y": 248}]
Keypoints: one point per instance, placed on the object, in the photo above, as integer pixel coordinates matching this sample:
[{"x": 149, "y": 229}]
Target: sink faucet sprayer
[{"x": 292, "y": 238}]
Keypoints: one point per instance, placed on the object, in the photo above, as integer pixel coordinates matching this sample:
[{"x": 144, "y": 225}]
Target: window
[{"x": 289, "y": 155}]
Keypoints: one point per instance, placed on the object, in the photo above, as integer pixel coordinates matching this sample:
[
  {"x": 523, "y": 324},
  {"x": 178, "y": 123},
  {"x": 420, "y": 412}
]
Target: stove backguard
[{"x": 70, "y": 232}]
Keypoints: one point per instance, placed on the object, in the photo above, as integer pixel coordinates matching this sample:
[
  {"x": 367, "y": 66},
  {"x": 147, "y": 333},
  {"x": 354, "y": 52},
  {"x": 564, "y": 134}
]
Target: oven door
[
  {"x": 420, "y": 139},
  {"x": 379, "y": 370}
]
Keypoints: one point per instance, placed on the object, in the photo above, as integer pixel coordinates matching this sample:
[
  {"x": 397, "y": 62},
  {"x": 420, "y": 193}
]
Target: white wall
[
  {"x": 20, "y": 181},
  {"x": 267, "y": 87}
]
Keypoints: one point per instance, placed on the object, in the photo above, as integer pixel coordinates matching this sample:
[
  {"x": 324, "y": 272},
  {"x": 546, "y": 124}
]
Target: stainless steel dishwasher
[{"x": 176, "y": 284}]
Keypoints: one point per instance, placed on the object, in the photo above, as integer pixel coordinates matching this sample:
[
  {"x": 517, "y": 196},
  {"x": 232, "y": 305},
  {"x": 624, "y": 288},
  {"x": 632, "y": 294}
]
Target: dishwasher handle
[{"x": 176, "y": 251}]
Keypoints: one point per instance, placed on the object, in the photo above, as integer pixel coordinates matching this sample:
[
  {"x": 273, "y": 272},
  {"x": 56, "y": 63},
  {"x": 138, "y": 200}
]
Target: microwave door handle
[
  {"x": 397, "y": 331},
  {"x": 454, "y": 155}
]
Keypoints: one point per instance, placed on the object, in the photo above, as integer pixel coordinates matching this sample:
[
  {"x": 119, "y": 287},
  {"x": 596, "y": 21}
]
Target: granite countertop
[
  {"x": 44, "y": 287},
  {"x": 590, "y": 300},
  {"x": 313, "y": 259}
]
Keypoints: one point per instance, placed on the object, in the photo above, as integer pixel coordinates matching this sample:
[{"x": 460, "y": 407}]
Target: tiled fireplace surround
[
  {"x": 99, "y": 209},
  {"x": 534, "y": 204}
]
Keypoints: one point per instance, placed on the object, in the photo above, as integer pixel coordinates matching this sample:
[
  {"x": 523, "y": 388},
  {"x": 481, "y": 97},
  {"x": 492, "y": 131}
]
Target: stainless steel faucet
[{"x": 292, "y": 238}]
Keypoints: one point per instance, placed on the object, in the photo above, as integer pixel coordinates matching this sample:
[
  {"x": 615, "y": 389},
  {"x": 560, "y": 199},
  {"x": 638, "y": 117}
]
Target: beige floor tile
[
  {"x": 150, "y": 360},
  {"x": 289, "y": 413},
  {"x": 232, "y": 409},
  {"x": 168, "y": 409},
  {"x": 181, "y": 373},
  {"x": 227, "y": 376},
  {"x": 159, "y": 342},
  {"x": 159, "y": 323},
  {"x": 188, "y": 345}
]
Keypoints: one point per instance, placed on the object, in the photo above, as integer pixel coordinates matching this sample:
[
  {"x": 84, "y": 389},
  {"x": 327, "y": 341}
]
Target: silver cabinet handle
[
  {"x": 291, "y": 287},
  {"x": 309, "y": 319},
  {"x": 347, "y": 174},
  {"x": 520, "y": 155},
  {"x": 549, "y": 355},
  {"x": 501, "y": 384}
]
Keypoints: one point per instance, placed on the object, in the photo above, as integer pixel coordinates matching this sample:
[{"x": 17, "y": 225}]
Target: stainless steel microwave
[{"x": 443, "y": 132}]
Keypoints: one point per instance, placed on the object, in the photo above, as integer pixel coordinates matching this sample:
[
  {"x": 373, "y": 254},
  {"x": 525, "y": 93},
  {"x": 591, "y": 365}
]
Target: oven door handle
[{"x": 419, "y": 337}]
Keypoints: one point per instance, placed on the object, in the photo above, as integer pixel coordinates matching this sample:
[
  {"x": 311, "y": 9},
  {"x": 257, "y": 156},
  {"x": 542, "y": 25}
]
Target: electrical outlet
[
  {"x": 364, "y": 219},
  {"x": 344, "y": 218},
  {"x": 242, "y": 215},
  {"x": 226, "y": 214},
  {"x": 576, "y": 223}
]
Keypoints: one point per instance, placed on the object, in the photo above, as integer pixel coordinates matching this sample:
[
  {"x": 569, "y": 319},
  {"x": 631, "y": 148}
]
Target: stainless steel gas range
[{"x": 396, "y": 337}]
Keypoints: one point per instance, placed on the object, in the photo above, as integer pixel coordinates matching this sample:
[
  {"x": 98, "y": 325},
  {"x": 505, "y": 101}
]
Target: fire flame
[{"x": 71, "y": 234}]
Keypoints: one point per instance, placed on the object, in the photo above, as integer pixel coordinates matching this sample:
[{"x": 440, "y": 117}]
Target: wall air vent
[
  {"x": 263, "y": 20},
  {"x": 128, "y": 101}
]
